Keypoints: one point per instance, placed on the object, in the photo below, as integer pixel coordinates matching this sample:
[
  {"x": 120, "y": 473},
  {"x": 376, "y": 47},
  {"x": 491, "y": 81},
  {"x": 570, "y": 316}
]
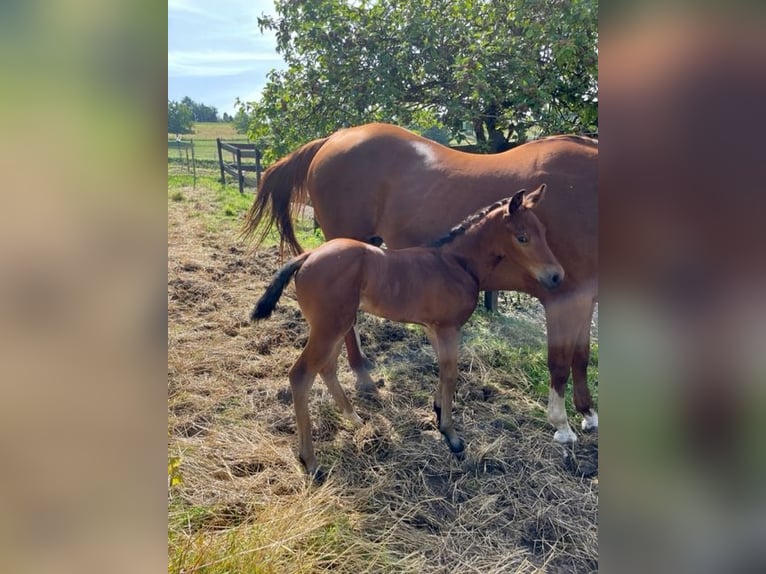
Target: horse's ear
[
  {"x": 516, "y": 201},
  {"x": 533, "y": 197}
]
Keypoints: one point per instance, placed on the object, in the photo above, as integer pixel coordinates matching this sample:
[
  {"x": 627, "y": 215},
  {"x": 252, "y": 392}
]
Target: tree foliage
[
  {"x": 241, "y": 119},
  {"x": 201, "y": 112},
  {"x": 180, "y": 118},
  {"x": 503, "y": 68}
]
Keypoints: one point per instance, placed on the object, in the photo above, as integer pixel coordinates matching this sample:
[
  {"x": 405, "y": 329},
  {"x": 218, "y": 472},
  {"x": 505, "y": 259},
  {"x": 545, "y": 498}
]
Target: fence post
[
  {"x": 490, "y": 300},
  {"x": 194, "y": 167},
  {"x": 239, "y": 172},
  {"x": 220, "y": 160},
  {"x": 257, "y": 168}
]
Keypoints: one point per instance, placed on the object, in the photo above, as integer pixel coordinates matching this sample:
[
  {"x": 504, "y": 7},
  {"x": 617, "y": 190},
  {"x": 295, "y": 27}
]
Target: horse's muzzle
[{"x": 551, "y": 279}]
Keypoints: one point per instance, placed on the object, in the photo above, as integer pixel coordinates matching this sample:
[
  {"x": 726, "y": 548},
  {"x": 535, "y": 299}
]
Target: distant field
[
  {"x": 204, "y": 136},
  {"x": 212, "y": 130}
]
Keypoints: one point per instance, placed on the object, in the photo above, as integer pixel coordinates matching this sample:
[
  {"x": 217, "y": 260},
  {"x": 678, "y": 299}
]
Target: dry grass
[{"x": 395, "y": 500}]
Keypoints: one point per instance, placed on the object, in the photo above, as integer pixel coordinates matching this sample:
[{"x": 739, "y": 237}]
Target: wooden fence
[
  {"x": 235, "y": 167},
  {"x": 183, "y": 148}
]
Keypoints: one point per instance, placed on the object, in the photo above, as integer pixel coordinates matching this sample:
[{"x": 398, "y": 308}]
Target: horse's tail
[
  {"x": 268, "y": 302},
  {"x": 282, "y": 186}
]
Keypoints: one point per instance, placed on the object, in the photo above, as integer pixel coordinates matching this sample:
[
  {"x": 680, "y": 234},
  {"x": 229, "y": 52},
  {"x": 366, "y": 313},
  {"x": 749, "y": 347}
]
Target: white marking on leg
[
  {"x": 590, "y": 421},
  {"x": 557, "y": 415},
  {"x": 425, "y": 151}
]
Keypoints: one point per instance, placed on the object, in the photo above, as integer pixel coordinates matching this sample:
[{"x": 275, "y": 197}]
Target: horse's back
[{"x": 379, "y": 179}]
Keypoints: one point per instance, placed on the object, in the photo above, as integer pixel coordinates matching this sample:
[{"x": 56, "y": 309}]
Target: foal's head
[{"x": 521, "y": 245}]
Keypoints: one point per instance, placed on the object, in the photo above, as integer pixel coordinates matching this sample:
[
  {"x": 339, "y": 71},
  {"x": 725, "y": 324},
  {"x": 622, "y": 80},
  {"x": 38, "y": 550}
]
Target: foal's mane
[{"x": 467, "y": 223}]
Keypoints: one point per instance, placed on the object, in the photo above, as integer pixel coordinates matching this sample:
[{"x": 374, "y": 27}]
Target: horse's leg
[
  {"x": 315, "y": 355},
  {"x": 356, "y": 356},
  {"x": 561, "y": 315},
  {"x": 447, "y": 344},
  {"x": 329, "y": 374},
  {"x": 582, "y": 399},
  {"x": 360, "y": 364}
]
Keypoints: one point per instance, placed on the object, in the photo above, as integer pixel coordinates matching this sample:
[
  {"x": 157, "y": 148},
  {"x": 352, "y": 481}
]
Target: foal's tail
[
  {"x": 268, "y": 301},
  {"x": 282, "y": 186}
]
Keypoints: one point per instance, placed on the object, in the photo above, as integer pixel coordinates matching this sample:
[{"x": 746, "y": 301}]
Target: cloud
[
  {"x": 189, "y": 6},
  {"x": 216, "y": 63}
]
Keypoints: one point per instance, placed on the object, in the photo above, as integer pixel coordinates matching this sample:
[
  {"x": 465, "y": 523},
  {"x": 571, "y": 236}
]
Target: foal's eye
[{"x": 522, "y": 239}]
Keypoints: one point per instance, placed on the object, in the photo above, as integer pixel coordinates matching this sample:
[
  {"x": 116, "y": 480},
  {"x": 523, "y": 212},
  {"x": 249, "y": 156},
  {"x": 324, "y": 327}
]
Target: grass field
[{"x": 395, "y": 500}]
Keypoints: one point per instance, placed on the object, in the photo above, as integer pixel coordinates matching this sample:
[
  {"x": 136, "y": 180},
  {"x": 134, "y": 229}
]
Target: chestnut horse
[
  {"x": 382, "y": 180},
  {"x": 436, "y": 286}
]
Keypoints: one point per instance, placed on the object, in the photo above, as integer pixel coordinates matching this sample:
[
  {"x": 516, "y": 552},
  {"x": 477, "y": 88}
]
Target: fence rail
[{"x": 235, "y": 167}]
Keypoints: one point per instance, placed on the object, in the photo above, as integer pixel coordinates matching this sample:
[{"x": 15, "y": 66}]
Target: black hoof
[
  {"x": 458, "y": 448},
  {"x": 368, "y": 392},
  {"x": 317, "y": 476}
]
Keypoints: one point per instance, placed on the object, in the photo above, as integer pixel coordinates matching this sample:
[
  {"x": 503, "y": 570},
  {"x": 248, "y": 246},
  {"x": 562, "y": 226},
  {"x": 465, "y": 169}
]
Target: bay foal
[{"x": 435, "y": 286}]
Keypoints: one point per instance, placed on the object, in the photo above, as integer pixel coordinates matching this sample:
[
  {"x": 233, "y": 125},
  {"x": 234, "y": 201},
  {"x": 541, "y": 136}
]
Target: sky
[{"x": 216, "y": 52}]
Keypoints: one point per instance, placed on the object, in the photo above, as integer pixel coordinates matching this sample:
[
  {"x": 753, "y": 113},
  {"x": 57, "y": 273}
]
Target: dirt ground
[{"x": 516, "y": 503}]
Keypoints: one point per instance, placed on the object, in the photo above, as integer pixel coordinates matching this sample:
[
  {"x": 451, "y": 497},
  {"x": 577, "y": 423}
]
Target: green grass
[
  {"x": 512, "y": 345},
  {"x": 229, "y": 207}
]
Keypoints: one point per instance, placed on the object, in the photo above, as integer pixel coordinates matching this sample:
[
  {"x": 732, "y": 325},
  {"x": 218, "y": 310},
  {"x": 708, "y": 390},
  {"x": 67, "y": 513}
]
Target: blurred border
[
  {"x": 682, "y": 313},
  {"x": 83, "y": 321},
  {"x": 82, "y": 310}
]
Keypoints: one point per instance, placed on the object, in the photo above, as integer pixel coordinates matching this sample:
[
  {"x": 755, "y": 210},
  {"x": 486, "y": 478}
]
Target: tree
[
  {"x": 180, "y": 118},
  {"x": 507, "y": 69},
  {"x": 241, "y": 119},
  {"x": 201, "y": 112}
]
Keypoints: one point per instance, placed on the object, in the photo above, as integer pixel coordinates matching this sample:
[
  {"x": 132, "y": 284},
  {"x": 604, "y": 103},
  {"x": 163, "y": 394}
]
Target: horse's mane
[{"x": 467, "y": 223}]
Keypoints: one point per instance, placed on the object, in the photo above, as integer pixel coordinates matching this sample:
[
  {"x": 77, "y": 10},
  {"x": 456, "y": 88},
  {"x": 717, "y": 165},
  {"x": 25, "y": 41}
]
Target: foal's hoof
[
  {"x": 368, "y": 391},
  {"x": 315, "y": 473},
  {"x": 456, "y": 445},
  {"x": 318, "y": 476}
]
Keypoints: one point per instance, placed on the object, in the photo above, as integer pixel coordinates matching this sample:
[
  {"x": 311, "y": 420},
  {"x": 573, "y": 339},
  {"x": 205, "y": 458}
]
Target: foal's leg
[
  {"x": 360, "y": 364},
  {"x": 329, "y": 374},
  {"x": 582, "y": 399},
  {"x": 447, "y": 344},
  {"x": 315, "y": 355},
  {"x": 356, "y": 357}
]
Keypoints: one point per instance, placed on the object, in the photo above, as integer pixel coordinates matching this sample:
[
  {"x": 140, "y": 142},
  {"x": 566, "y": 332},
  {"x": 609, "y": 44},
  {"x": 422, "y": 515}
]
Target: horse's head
[{"x": 523, "y": 242}]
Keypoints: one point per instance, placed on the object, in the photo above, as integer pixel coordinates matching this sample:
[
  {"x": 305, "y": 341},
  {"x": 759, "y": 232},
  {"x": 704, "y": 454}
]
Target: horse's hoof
[
  {"x": 590, "y": 422},
  {"x": 456, "y": 445},
  {"x": 319, "y": 476},
  {"x": 316, "y": 474},
  {"x": 354, "y": 419},
  {"x": 368, "y": 391},
  {"x": 565, "y": 436}
]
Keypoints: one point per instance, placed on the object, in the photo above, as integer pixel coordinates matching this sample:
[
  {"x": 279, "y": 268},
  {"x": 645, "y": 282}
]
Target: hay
[{"x": 395, "y": 499}]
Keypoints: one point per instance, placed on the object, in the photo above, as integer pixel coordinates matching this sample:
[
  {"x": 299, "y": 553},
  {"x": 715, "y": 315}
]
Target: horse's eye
[{"x": 522, "y": 238}]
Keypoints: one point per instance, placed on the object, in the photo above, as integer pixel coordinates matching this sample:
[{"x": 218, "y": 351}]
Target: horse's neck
[{"x": 471, "y": 252}]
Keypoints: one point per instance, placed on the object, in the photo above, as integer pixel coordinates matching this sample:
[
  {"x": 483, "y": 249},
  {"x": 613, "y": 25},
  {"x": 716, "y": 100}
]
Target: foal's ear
[{"x": 526, "y": 199}]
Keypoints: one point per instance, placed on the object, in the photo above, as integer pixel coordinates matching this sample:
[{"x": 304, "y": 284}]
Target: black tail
[{"x": 268, "y": 301}]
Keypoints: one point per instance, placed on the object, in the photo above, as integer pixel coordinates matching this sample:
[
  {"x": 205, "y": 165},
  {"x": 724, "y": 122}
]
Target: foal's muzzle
[{"x": 551, "y": 278}]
